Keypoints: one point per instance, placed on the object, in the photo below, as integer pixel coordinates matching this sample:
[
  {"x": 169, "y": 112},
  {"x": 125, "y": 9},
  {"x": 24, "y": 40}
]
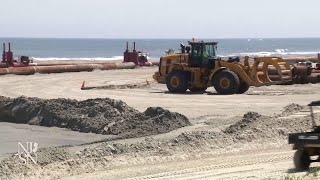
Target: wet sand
[{"x": 11, "y": 133}]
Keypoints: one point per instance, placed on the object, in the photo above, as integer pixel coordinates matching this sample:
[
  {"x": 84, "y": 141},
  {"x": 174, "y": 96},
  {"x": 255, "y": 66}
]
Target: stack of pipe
[
  {"x": 274, "y": 76},
  {"x": 304, "y": 73},
  {"x": 295, "y": 60},
  {"x": 300, "y": 74},
  {"x": 29, "y": 70}
]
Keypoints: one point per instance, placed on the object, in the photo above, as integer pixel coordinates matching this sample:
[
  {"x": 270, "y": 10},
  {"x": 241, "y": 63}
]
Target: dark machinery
[
  {"x": 9, "y": 61},
  {"x": 307, "y": 144},
  {"x": 138, "y": 57}
]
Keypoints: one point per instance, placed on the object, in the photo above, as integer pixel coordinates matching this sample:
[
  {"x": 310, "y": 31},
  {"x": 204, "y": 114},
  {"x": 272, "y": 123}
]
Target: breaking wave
[
  {"x": 279, "y": 52},
  {"x": 80, "y": 58}
]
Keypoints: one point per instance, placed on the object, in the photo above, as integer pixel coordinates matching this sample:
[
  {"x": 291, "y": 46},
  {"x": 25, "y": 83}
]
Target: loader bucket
[{"x": 263, "y": 67}]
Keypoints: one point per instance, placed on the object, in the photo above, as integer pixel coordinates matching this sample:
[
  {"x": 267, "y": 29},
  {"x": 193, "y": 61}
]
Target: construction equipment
[
  {"x": 25, "y": 66},
  {"x": 197, "y": 67},
  {"x": 306, "y": 144},
  {"x": 9, "y": 61},
  {"x": 138, "y": 57}
]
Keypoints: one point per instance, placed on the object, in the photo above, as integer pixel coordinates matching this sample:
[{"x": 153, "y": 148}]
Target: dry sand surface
[{"x": 224, "y": 140}]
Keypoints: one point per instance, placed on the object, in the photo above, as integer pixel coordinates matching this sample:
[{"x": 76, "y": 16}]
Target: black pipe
[
  {"x": 134, "y": 46},
  {"x": 4, "y": 52},
  {"x": 127, "y": 48}
]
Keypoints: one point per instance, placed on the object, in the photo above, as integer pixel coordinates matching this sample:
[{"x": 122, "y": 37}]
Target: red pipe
[
  {"x": 64, "y": 68},
  {"x": 4, "y": 53},
  {"x": 4, "y": 71},
  {"x": 22, "y": 70}
]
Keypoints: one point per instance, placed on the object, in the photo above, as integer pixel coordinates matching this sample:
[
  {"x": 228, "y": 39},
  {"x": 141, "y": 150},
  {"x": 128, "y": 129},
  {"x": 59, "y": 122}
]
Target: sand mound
[
  {"x": 252, "y": 127},
  {"x": 256, "y": 126},
  {"x": 248, "y": 119},
  {"x": 103, "y": 116},
  {"x": 290, "y": 109}
]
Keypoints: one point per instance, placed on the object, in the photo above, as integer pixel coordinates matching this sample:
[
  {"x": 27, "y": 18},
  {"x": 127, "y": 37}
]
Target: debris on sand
[
  {"x": 120, "y": 86},
  {"x": 101, "y": 116}
]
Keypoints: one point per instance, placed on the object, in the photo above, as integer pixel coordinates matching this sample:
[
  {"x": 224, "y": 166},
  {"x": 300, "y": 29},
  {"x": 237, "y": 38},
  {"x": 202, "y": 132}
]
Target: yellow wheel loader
[{"x": 197, "y": 67}]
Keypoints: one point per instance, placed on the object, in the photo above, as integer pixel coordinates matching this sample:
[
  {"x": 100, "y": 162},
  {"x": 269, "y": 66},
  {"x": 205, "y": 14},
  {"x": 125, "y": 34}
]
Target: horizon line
[{"x": 141, "y": 38}]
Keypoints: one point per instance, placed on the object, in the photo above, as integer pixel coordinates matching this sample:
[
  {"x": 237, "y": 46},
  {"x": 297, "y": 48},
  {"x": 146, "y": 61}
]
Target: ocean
[{"x": 112, "y": 49}]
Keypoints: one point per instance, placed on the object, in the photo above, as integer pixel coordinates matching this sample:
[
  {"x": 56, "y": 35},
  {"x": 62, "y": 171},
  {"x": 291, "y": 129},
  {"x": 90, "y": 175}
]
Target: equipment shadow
[{"x": 310, "y": 171}]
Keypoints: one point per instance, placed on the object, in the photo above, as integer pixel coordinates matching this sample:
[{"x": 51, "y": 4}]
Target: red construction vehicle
[
  {"x": 138, "y": 57},
  {"x": 9, "y": 61}
]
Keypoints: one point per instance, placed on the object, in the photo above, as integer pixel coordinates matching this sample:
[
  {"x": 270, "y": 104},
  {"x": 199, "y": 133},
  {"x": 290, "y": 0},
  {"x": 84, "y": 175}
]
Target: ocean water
[{"x": 110, "y": 49}]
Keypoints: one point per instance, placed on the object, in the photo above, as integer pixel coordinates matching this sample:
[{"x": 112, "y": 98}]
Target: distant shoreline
[{"x": 140, "y": 38}]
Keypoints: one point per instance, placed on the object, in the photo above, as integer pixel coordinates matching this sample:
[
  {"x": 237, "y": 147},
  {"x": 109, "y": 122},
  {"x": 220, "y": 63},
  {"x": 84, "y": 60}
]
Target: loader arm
[
  {"x": 239, "y": 70},
  {"x": 257, "y": 74}
]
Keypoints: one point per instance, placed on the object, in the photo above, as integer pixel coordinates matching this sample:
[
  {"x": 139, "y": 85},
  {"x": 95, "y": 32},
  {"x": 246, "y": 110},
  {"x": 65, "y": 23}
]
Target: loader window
[
  {"x": 209, "y": 51},
  {"x": 196, "y": 56},
  {"x": 202, "y": 55},
  {"x": 197, "y": 51}
]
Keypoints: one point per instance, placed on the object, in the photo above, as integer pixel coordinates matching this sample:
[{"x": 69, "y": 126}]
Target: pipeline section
[
  {"x": 300, "y": 75},
  {"x": 29, "y": 70},
  {"x": 5, "y": 65}
]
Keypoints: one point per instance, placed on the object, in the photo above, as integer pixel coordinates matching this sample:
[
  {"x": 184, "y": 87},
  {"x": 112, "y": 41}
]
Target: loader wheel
[
  {"x": 244, "y": 87},
  {"x": 226, "y": 82},
  {"x": 196, "y": 89},
  {"x": 301, "y": 160},
  {"x": 176, "y": 82}
]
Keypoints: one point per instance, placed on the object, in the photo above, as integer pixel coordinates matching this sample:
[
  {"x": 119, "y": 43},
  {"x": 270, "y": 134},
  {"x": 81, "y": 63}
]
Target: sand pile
[
  {"x": 246, "y": 122},
  {"x": 256, "y": 126},
  {"x": 103, "y": 116},
  {"x": 252, "y": 127},
  {"x": 290, "y": 109}
]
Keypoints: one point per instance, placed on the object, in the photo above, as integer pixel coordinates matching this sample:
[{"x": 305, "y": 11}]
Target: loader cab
[{"x": 203, "y": 54}]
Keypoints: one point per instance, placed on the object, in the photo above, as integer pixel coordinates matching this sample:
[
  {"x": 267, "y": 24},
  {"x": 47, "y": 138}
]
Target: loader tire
[
  {"x": 301, "y": 160},
  {"x": 244, "y": 87},
  {"x": 196, "y": 89},
  {"x": 226, "y": 82},
  {"x": 177, "y": 82}
]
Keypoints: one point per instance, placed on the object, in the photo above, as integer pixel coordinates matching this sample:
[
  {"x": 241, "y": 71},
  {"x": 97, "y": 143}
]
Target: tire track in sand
[{"x": 232, "y": 168}]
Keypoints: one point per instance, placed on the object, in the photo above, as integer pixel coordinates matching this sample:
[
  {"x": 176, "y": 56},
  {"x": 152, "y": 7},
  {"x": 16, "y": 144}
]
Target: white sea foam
[
  {"x": 279, "y": 52},
  {"x": 276, "y": 52},
  {"x": 81, "y": 58},
  {"x": 84, "y": 58}
]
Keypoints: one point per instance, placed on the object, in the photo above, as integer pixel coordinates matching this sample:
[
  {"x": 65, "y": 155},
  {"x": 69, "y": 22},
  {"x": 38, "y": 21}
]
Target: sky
[{"x": 160, "y": 18}]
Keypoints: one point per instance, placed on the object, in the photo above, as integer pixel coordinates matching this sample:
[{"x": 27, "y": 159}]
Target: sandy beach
[{"x": 81, "y": 94}]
